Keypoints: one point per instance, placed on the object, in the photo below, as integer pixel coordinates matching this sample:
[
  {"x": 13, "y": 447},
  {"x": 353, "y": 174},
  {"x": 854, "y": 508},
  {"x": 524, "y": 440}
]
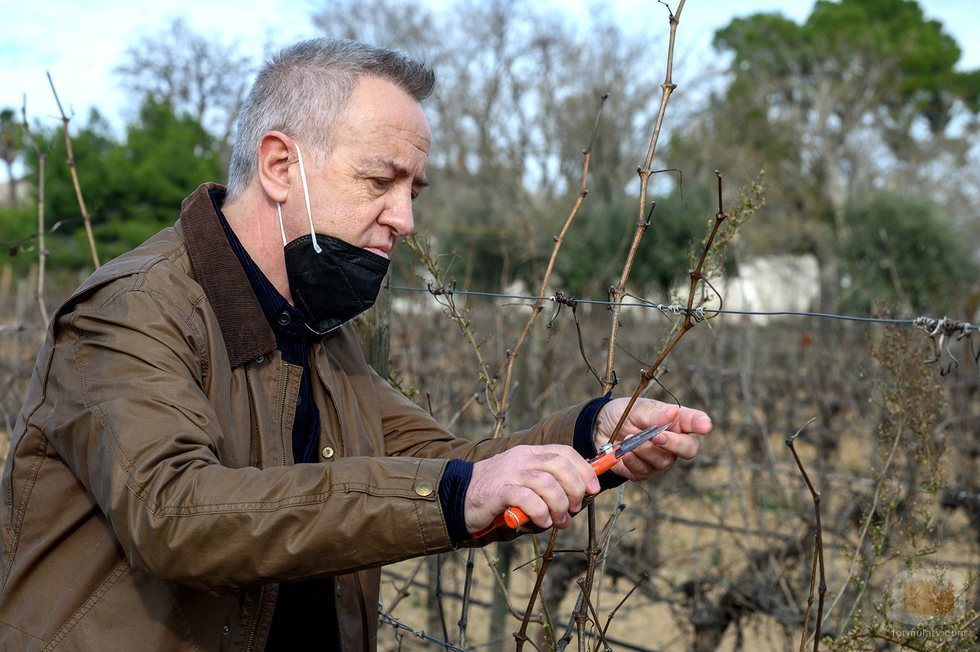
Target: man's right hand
[{"x": 548, "y": 482}]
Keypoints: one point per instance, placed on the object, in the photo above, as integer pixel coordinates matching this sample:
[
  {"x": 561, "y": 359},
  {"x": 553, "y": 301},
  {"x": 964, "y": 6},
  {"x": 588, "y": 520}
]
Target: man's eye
[{"x": 381, "y": 183}]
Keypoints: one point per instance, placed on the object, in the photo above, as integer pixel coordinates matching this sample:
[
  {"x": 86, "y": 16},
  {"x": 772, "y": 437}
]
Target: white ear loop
[
  {"x": 281, "y": 227},
  {"x": 306, "y": 195}
]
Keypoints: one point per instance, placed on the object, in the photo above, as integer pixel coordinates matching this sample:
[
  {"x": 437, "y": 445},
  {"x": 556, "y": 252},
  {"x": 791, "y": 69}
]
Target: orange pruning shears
[{"x": 609, "y": 454}]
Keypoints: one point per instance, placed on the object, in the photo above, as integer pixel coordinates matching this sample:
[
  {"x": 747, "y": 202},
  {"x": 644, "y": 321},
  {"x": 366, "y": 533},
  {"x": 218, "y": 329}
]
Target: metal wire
[
  {"x": 950, "y": 326},
  {"x": 388, "y": 619}
]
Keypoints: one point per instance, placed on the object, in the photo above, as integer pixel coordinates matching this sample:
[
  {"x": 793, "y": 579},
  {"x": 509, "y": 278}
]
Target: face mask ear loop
[
  {"x": 281, "y": 227},
  {"x": 306, "y": 195}
]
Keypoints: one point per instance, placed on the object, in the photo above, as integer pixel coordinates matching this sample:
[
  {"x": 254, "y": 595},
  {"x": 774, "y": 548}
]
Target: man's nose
[{"x": 399, "y": 216}]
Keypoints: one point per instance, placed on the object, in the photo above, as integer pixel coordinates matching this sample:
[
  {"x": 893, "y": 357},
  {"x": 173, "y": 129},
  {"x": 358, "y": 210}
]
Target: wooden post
[{"x": 374, "y": 332}]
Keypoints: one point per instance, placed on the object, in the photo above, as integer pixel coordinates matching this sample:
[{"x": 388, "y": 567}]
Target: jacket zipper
[
  {"x": 250, "y": 639},
  {"x": 282, "y": 414}
]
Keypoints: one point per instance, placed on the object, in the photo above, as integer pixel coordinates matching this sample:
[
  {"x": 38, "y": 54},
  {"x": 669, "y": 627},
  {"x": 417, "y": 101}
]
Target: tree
[
  {"x": 902, "y": 252},
  {"x": 862, "y": 96},
  {"x": 195, "y": 75},
  {"x": 133, "y": 187}
]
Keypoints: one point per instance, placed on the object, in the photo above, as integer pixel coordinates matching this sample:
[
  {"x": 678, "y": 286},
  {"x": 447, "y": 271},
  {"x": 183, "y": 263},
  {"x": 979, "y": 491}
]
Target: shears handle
[{"x": 514, "y": 517}]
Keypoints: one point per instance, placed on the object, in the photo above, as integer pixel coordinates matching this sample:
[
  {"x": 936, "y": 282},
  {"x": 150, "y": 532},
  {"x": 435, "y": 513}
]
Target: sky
[{"x": 80, "y": 41}]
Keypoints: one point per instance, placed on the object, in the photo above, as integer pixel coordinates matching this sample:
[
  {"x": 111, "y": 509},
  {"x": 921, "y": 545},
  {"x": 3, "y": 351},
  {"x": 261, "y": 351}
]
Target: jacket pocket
[{"x": 129, "y": 610}]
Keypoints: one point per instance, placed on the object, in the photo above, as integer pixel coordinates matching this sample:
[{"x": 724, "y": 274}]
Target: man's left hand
[{"x": 682, "y": 439}]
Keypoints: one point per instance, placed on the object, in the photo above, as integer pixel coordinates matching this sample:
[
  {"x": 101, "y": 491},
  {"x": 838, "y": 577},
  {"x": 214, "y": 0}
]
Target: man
[{"x": 205, "y": 460}]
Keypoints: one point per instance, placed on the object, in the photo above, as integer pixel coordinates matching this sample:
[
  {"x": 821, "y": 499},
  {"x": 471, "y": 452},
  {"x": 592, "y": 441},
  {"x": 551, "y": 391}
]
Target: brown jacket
[{"x": 149, "y": 500}]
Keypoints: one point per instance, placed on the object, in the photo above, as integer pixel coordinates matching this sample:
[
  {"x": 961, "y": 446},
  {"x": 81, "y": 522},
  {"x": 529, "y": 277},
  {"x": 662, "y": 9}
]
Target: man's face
[{"x": 362, "y": 193}]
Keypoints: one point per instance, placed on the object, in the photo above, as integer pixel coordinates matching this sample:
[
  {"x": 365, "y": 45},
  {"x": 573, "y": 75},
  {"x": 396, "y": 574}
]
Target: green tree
[
  {"x": 592, "y": 257},
  {"x": 903, "y": 253},
  {"x": 132, "y": 187},
  {"x": 164, "y": 157},
  {"x": 863, "y": 95}
]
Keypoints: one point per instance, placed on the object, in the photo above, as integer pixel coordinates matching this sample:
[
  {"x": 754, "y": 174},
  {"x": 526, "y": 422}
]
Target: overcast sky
[{"x": 81, "y": 41}]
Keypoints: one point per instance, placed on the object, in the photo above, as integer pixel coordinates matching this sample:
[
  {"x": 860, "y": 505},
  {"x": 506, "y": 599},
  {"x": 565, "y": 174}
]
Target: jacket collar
[{"x": 246, "y": 331}]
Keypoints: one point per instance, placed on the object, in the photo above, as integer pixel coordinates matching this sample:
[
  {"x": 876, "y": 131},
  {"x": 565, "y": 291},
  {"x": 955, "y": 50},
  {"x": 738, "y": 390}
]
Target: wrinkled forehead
[{"x": 385, "y": 119}]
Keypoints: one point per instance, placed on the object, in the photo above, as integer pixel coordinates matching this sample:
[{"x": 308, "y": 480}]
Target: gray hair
[{"x": 303, "y": 89}]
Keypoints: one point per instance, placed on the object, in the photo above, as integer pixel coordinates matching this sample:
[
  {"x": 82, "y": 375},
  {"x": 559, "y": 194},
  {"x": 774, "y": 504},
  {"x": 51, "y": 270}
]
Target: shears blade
[{"x": 639, "y": 438}]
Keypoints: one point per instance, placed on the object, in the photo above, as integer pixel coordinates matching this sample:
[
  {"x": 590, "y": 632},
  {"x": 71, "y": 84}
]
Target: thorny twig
[
  {"x": 582, "y": 581},
  {"x": 74, "y": 178},
  {"x": 444, "y": 295},
  {"x": 437, "y": 590},
  {"x": 465, "y": 607},
  {"x": 503, "y": 589},
  {"x": 616, "y": 297},
  {"x": 564, "y": 300},
  {"x": 879, "y": 486},
  {"x": 591, "y": 554},
  {"x": 596, "y": 544},
  {"x": 817, "y": 552},
  {"x": 612, "y": 614}
]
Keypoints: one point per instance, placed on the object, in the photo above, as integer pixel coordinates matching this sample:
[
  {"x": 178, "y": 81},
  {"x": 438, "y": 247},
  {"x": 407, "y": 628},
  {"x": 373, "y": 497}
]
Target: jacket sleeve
[
  {"x": 126, "y": 408},
  {"x": 410, "y": 431}
]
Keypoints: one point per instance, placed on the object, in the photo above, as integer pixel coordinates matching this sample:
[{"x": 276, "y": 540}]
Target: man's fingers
[
  {"x": 694, "y": 421},
  {"x": 568, "y": 467},
  {"x": 673, "y": 444},
  {"x": 547, "y": 489},
  {"x": 683, "y": 446},
  {"x": 684, "y": 419},
  {"x": 546, "y": 482},
  {"x": 533, "y": 505}
]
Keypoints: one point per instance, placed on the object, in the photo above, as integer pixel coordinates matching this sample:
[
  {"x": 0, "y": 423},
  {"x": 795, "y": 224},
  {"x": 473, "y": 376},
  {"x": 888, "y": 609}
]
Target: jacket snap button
[
  {"x": 423, "y": 488},
  {"x": 259, "y": 359},
  {"x": 327, "y": 452},
  {"x": 226, "y": 630},
  {"x": 284, "y": 318}
]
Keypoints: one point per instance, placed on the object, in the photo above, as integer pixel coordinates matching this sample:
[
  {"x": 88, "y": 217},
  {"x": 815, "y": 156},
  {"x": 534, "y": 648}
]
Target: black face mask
[{"x": 335, "y": 285}]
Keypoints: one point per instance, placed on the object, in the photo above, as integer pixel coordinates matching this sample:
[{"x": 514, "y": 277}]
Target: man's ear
[{"x": 273, "y": 165}]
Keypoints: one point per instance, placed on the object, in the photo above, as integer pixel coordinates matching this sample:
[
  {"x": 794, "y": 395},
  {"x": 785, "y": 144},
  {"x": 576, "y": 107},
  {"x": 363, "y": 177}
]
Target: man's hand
[
  {"x": 649, "y": 460},
  {"x": 547, "y": 482}
]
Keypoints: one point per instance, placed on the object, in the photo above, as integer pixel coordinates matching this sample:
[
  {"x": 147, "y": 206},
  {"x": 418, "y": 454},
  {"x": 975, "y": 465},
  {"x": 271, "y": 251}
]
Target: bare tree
[
  {"x": 517, "y": 91},
  {"x": 192, "y": 73}
]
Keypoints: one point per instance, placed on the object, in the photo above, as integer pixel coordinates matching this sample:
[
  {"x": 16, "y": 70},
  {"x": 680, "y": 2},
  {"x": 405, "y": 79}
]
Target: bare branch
[
  {"x": 87, "y": 221},
  {"x": 817, "y": 552},
  {"x": 617, "y": 293}
]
